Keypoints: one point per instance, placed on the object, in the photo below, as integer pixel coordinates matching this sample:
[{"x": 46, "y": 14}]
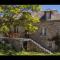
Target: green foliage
[
  {"x": 29, "y": 20},
  {"x": 31, "y": 28},
  {"x": 4, "y": 28},
  {"x": 32, "y": 7},
  {"x": 1, "y": 9},
  {"x": 26, "y": 20},
  {"x": 7, "y": 51},
  {"x": 36, "y": 7}
]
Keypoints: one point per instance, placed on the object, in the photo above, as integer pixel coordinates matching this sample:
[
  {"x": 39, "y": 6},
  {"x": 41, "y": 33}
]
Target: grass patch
[
  {"x": 24, "y": 53},
  {"x": 6, "y": 50},
  {"x": 36, "y": 54}
]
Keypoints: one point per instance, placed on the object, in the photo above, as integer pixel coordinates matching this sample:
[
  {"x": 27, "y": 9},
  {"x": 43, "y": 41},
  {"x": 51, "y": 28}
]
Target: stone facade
[
  {"x": 47, "y": 28},
  {"x": 52, "y": 28},
  {"x": 32, "y": 47}
]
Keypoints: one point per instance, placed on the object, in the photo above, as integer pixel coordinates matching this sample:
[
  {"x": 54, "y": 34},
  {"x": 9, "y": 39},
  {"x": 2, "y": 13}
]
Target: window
[
  {"x": 43, "y": 31},
  {"x": 16, "y": 29},
  {"x": 25, "y": 45},
  {"x": 50, "y": 44}
]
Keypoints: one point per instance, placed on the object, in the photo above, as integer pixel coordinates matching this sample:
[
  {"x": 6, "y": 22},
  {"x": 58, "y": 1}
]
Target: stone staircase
[
  {"x": 33, "y": 41},
  {"x": 40, "y": 40},
  {"x": 37, "y": 44},
  {"x": 41, "y": 47}
]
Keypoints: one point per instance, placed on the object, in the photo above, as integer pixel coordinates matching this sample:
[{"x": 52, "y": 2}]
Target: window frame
[{"x": 43, "y": 31}]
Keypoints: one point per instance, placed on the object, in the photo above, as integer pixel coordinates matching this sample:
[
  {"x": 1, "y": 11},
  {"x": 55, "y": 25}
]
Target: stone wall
[
  {"x": 52, "y": 28},
  {"x": 32, "y": 47},
  {"x": 16, "y": 44}
]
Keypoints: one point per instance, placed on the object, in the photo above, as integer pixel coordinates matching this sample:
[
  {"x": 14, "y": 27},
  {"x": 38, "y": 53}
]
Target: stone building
[{"x": 48, "y": 27}]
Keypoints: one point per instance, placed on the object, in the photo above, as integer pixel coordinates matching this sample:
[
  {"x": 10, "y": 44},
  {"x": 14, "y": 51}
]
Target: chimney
[{"x": 48, "y": 14}]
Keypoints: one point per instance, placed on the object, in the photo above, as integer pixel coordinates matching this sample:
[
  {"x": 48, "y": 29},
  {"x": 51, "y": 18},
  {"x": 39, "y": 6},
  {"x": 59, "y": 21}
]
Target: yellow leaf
[{"x": 1, "y": 9}]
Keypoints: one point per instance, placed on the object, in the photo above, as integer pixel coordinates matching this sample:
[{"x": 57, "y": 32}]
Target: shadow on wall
[{"x": 57, "y": 41}]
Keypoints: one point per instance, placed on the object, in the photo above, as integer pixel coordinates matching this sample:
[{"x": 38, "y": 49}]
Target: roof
[{"x": 54, "y": 16}]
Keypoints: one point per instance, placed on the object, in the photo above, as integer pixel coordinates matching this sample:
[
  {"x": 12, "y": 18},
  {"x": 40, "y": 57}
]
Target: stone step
[{"x": 41, "y": 47}]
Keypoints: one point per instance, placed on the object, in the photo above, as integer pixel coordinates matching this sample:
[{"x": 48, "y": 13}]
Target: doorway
[{"x": 25, "y": 45}]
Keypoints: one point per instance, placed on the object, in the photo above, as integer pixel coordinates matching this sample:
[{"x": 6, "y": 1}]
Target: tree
[
  {"x": 32, "y": 7},
  {"x": 25, "y": 19}
]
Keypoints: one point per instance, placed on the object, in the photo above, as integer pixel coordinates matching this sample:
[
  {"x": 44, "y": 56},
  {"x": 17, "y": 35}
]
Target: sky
[{"x": 52, "y": 7}]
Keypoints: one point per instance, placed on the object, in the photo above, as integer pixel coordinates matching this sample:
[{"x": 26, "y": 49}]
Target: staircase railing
[{"x": 44, "y": 49}]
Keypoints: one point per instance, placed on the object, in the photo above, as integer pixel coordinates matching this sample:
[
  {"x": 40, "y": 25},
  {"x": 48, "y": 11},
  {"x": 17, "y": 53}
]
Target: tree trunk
[{"x": 26, "y": 34}]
